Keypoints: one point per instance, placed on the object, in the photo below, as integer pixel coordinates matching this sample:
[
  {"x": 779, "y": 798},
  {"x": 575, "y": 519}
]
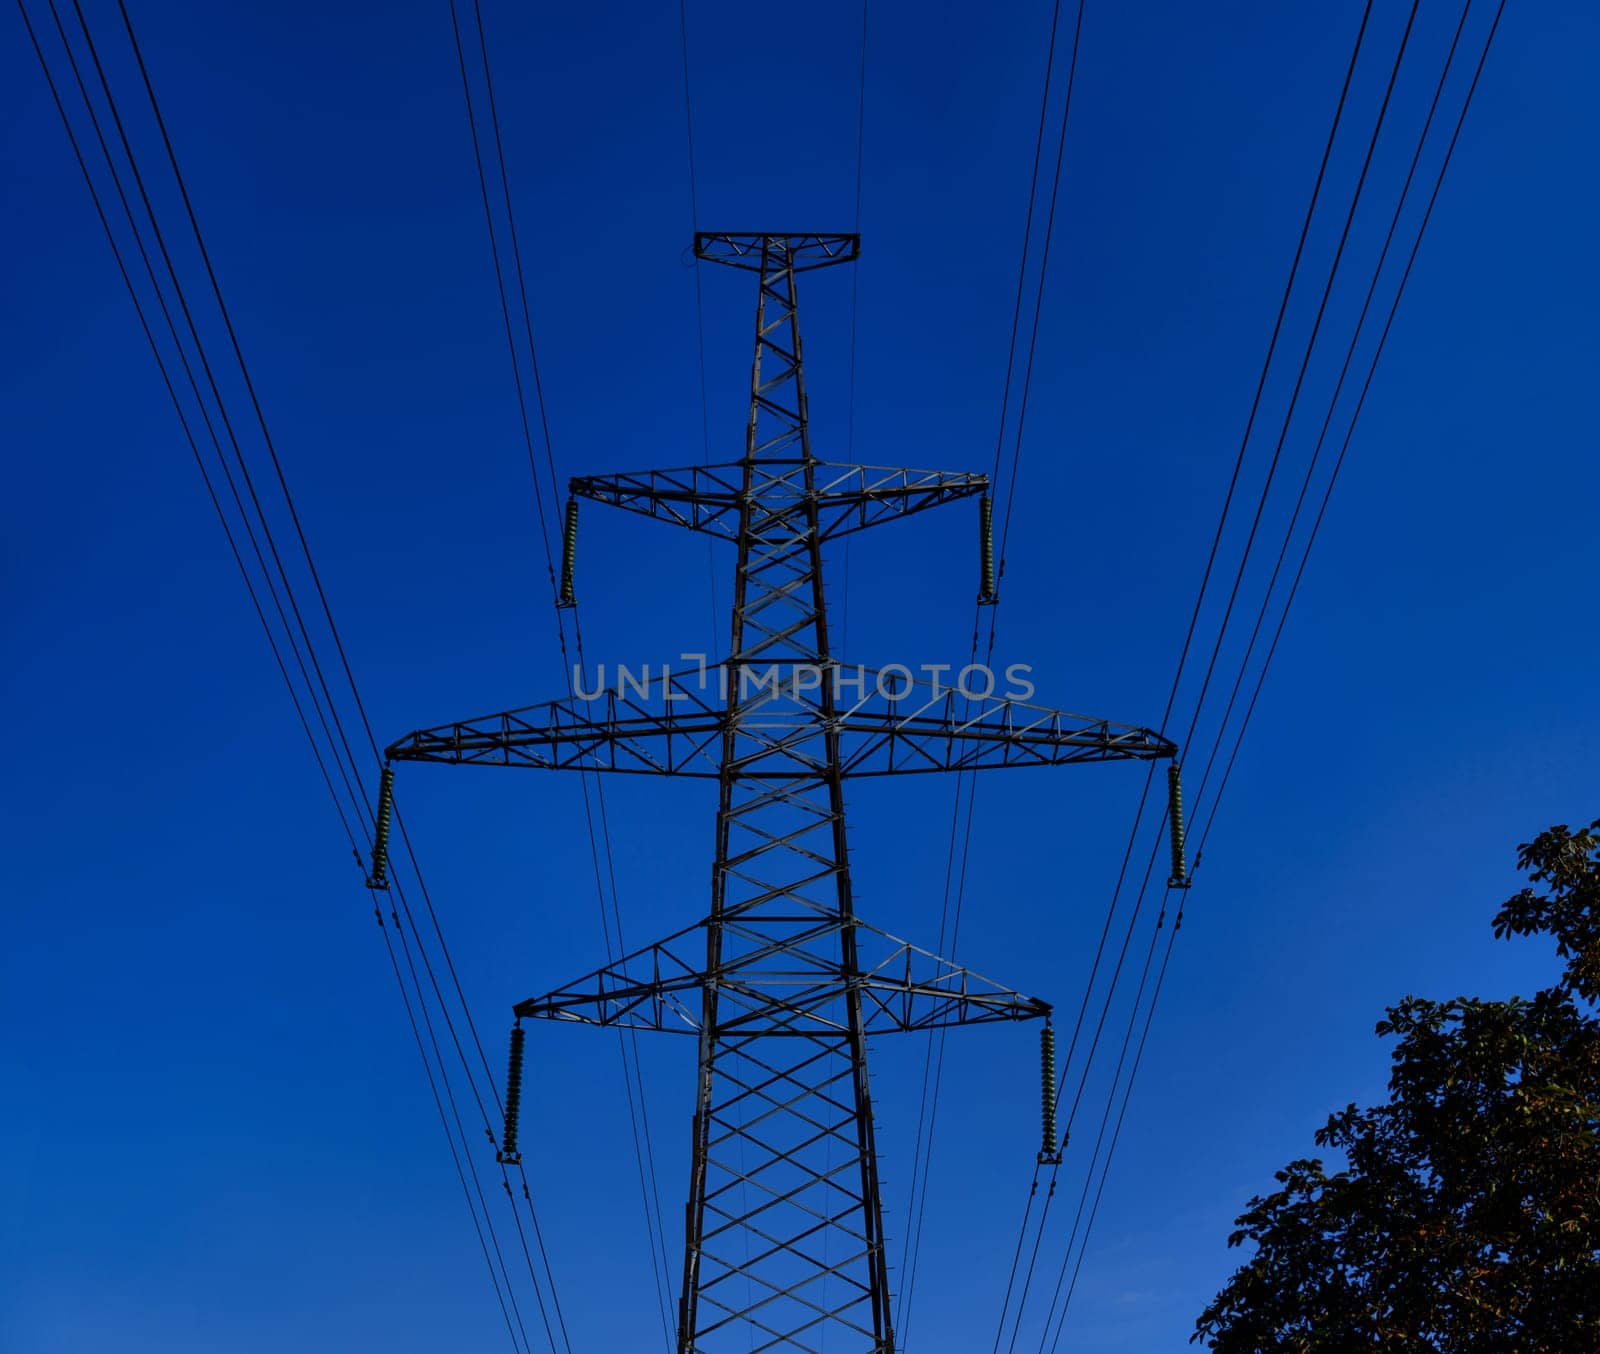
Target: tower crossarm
[
  {"x": 803, "y": 252},
  {"x": 700, "y": 497},
  {"x": 944, "y": 735},
  {"x": 608, "y": 732},
  {"x": 847, "y": 497},
  {"x": 672, "y": 725},
  {"x": 655, "y": 988},
  {"x": 902, "y": 989}
]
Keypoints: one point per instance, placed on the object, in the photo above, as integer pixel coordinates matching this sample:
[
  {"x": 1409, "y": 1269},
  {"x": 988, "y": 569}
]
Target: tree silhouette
[{"x": 1467, "y": 1215}]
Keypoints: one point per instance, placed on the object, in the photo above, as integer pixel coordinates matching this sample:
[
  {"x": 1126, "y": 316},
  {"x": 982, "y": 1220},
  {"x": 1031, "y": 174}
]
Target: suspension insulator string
[
  {"x": 379, "y": 877},
  {"x": 986, "y": 593},
  {"x": 1180, "y": 869},
  {"x": 1050, "y": 1148},
  {"x": 508, "y": 1152},
  {"x": 569, "y": 554}
]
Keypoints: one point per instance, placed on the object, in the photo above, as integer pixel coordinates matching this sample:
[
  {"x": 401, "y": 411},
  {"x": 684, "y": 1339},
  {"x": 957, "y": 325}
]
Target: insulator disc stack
[
  {"x": 569, "y": 553},
  {"x": 986, "y": 592},
  {"x": 508, "y": 1141},
  {"x": 1048, "y": 1150},
  {"x": 1180, "y": 867},
  {"x": 379, "y": 876}
]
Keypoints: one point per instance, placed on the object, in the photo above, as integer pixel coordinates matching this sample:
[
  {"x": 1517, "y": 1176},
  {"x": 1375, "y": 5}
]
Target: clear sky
[{"x": 215, "y": 1135}]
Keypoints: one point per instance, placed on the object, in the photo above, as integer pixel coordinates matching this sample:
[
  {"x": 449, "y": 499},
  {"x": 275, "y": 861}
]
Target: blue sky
[{"x": 216, "y": 1134}]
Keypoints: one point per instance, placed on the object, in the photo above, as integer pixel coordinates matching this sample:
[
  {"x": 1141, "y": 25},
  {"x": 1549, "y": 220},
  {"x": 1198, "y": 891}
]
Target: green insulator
[
  {"x": 379, "y": 878},
  {"x": 1047, "y": 1075},
  {"x": 508, "y": 1149},
  {"x": 569, "y": 552},
  {"x": 1180, "y": 868},
  {"x": 986, "y": 593}
]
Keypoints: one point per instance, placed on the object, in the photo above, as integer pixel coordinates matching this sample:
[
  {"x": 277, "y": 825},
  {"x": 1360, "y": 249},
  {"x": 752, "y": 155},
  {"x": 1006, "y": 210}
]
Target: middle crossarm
[
  {"x": 848, "y": 497},
  {"x": 902, "y": 988},
  {"x": 674, "y": 727}
]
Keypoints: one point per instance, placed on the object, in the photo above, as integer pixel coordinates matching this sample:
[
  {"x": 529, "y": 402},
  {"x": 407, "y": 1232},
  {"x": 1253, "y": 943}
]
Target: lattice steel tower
[{"x": 781, "y": 982}]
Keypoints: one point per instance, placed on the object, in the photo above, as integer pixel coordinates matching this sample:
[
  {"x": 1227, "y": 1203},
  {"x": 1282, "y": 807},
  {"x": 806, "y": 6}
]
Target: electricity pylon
[{"x": 781, "y": 983}]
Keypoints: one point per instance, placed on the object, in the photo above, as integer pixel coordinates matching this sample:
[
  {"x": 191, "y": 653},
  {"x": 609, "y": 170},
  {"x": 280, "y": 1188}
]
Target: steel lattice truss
[
  {"x": 676, "y": 724},
  {"x": 846, "y": 497},
  {"x": 902, "y": 988},
  {"x": 781, "y": 983}
]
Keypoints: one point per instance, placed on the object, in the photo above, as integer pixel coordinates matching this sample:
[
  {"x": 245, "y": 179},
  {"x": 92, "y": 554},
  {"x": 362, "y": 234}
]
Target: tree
[{"x": 1467, "y": 1216}]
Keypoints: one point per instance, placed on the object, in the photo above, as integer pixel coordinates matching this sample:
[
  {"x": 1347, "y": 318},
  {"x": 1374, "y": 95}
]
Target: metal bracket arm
[
  {"x": 803, "y": 252},
  {"x": 903, "y": 989},
  {"x": 848, "y": 498},
  {"x": 679, "y": 732}
]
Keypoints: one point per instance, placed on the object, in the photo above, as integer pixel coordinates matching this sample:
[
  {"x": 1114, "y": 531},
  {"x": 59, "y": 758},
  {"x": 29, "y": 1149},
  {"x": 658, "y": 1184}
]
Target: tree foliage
[{"x": 1466, "y": 1218}]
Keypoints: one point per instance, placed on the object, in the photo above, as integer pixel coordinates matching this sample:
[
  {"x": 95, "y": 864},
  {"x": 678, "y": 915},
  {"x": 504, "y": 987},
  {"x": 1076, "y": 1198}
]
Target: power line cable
[
  {"x": 638, "y": 1107},
  {"x": 460, "y": 1129},
  {"x": 344, "y": 767},
  {"x": 1360, "y": 405},
  {"x": 522, "y": 287},
  {"x": 1006, "y": 519},
  {"x": 505, "y": 302},
  {"x": 348, "y": 759},
  {"x": 1278, "y": 448},
  {"x": 1249, "y": 543},
  {"x": 211, "y": 492},
  {"x": 855, "y": 311},
  {"x": 599, "y": 833},
  {"x": 1366, "y": 386},
  {"x": 1300, "y": 375},
  {"x": 933, "y": 1058},
  {"x": 1178, "y": 675},
  {"x": 172, "y": 392},
  {"x": 222, "y": 410},
  {"x": 699, "y": 298},
  {"x": 205, "y": 417},
  {"x": 244, "y": 371},
  {"x": 1038, "y": 309},
  {"x": 1211, "y": 558},
  {"x": 337, "y": 737},
  {"x": 1216, "y": 540},
  {"x": 1333, "y": 402}
]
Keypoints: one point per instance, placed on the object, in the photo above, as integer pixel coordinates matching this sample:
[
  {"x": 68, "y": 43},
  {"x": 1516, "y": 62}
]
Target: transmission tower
[{"x": 781, "y": 983}]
